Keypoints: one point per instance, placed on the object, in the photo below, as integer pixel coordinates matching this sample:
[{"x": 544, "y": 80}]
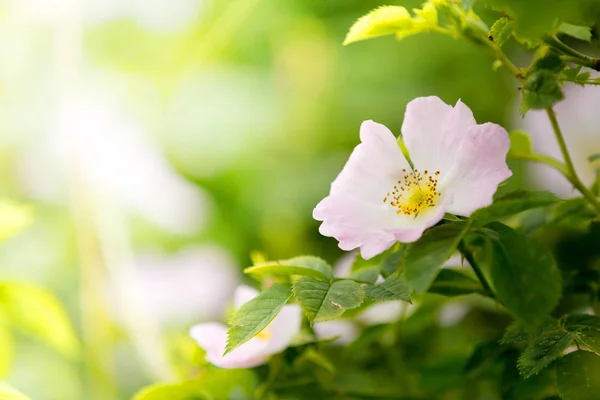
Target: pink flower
[
  {"x": 379, "y": 199},
  {"x": 212, "y": 336}
]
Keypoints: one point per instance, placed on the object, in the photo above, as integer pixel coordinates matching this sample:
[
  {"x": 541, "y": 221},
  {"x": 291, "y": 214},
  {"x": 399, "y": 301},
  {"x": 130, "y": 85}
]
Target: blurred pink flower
[
  {"x": 579, "y": 120},
  {"x": 379, "y": 199},
  {"x": 212, "y": 336}
]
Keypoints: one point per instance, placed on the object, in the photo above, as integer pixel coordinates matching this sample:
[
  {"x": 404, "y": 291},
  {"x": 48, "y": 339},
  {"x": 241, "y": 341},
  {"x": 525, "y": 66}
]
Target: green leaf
[
  {"x": 455, "y": 282},
  {"x": 543, "y": 350},
  {"x": 577, "y": 376},
  {"x": 9, "y": 393},
  {"x": 594, "y": 157},
  {"x": 541, "y": 90},
  {"x": 512, "y": 203},
  {"x": 586, "y": 330},
  {"x": 323, "y": 301},
  {"x": 253, "y": 316},
  {"x": 40, "y": 314},
  {"x": 302, "y": 265},
  {"x": 576, "y": 31},
  {"x": 386, "y": 20},
  {"x": 393, "y": 288},
  {"x": 392, "y": 262},
  {"x": 366, "y": 275},
  {"x": 467, "y": 4},
  {"x": 520, "y": 144},
  {"x": 171, "y": 391},
  {"x": 424, "y": 257},
  {"x": 571, "y": 73},
  {"x": 550, "y": 62},
  {"x": 523, "y": 273},
  {"x": 502, "y": 30}
]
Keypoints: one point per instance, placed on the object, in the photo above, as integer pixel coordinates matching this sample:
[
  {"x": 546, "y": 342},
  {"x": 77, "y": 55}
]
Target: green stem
[
  {"x": 572, "y": 55},
  {"x": 466, "y": 253},
  {"x": 570, "y": 173},
  {"x": 542, "y": 159},
  {"x": 274, "y": 369}
]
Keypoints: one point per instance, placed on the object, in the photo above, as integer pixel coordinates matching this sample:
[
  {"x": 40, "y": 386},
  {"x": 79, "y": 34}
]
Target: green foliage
[
  {"x": 502, "y": 30},
  {"x": 253, "y": 316},
  {"x": 520, "y": 144},
  {"x": 9, "y": 393},
  {"x": 455, "y": 282},
  {"x": 550, "y": 62},
  {"x": 577, "y": 376},
  {"x": 523, "y": 274},
  {"x": 323, "y": 301},
  {"x": 302, "y": 265},
  {"x": 578, "y": 32},
  {"x": 543, "y": 350},
  {"x": 512, "y": 203},
  {"x": 424, "y": 257},
  {"x": 541, "y": 90},
  {"x": 366, "y": 275},
  {"x": 393, "y": 288},
  {"x": 236, "y": 384},
  {"x": 38, "y": 313}
]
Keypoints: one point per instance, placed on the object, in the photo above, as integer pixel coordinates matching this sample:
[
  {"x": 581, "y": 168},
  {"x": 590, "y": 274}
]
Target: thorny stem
[{"x": 570, "y": 172}]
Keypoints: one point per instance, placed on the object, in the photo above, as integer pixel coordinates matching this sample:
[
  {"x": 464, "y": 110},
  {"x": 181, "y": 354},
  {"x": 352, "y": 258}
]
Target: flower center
[
  {"x": 414, "y": 192},
  {"x": 265, "y": 334}
]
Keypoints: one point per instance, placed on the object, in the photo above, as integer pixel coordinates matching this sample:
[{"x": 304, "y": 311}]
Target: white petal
[
  {"x": 345, "y": 331},
  {"x": 284, "y": 327},
  {"x": 212, "y": 337},
  {"x": 432, "y": 131},
  {"x": 479, "y": 168},
  {"x": 354, "y": 212},
  {"x": 243, "y": 294}
]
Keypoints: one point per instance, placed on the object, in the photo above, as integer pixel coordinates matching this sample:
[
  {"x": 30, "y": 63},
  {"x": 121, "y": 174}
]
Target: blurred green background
[{"x": 160, "y": 142}]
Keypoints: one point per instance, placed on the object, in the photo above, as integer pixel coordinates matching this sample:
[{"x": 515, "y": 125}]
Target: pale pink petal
[
  {"x": 212, "y": 337},
  {"x": 355, "y": 212},
  {"x": 479, "y": 168},
  {"x": 243, "y": 294},
  {"x": 432, "y": 131},
  {"x": 284, "y": 327},
  {"x": 343, "y": 330}
]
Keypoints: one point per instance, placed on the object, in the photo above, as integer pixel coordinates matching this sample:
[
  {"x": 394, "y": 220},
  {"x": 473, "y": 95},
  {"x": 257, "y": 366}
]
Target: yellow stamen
[
  {"x": 265, "y": 334},
  {"x": 414, "y": 192}
]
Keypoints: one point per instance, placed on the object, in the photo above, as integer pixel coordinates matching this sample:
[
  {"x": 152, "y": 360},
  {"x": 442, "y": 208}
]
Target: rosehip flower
[
  {"x": 274, "y": 338},
  {"x": 379, "y": 199}
]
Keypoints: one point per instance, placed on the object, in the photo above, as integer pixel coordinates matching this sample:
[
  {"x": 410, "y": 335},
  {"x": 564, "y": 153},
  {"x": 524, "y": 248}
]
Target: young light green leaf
[
  {"x": 7, "y": 392},
  {"x": 302, "y": 265},
  {"x": 523, "y": 273},
  {"x": 253, "y": 316},
  {"x": 576, "y": 31},
  {"x": 512, "y": 203},
  {"x": 424, "y": 257},
  {"x": 393, "y": 288},
  {"x": 544, "y": 349},
  {"x": 39, "y": 313},
  {"x": 571, "y": 73},
  {"x": 501, "y": 31},
  {"x": 455, "y": 282},
  {"x": 520, "y": 144},
  {"x": 386, "y": 20},
  {"x": 322, "y": 301},
  {"x": 541, "y": 90},
  {"x": 577, "y": 376}
]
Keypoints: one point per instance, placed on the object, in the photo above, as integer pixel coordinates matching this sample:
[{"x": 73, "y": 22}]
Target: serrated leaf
[
  {"x": 393, "y": 261},
  {"x": 586, "y": 330},
  {"x": 365, "y": 275},
  {"x": 502, "y": 30},
  {"x": 550, "y": 62},
  {"x": 302, "y": 265},
  {"x": 40, "y": 314},
  {"x": 577, "y": 376},
  {"x": 541, "y": 90},
  {"x": 424, "y": 257},
  {"x": 253, "y": 316},
  {"x": 512, "y": 203},
  {"x": 7, "y": 392},
  {"x": 576, "y": 31},
  {"x": 323, "y": 301},
  {"x": 571, "y": 73},
  {"x": 523, "y": 274},
  {"x": 543, "y": 350},
  {"x": 393, "y": 288},
  {"x": 455, "y": 282},
  {"x": 386, "y": 20}
]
